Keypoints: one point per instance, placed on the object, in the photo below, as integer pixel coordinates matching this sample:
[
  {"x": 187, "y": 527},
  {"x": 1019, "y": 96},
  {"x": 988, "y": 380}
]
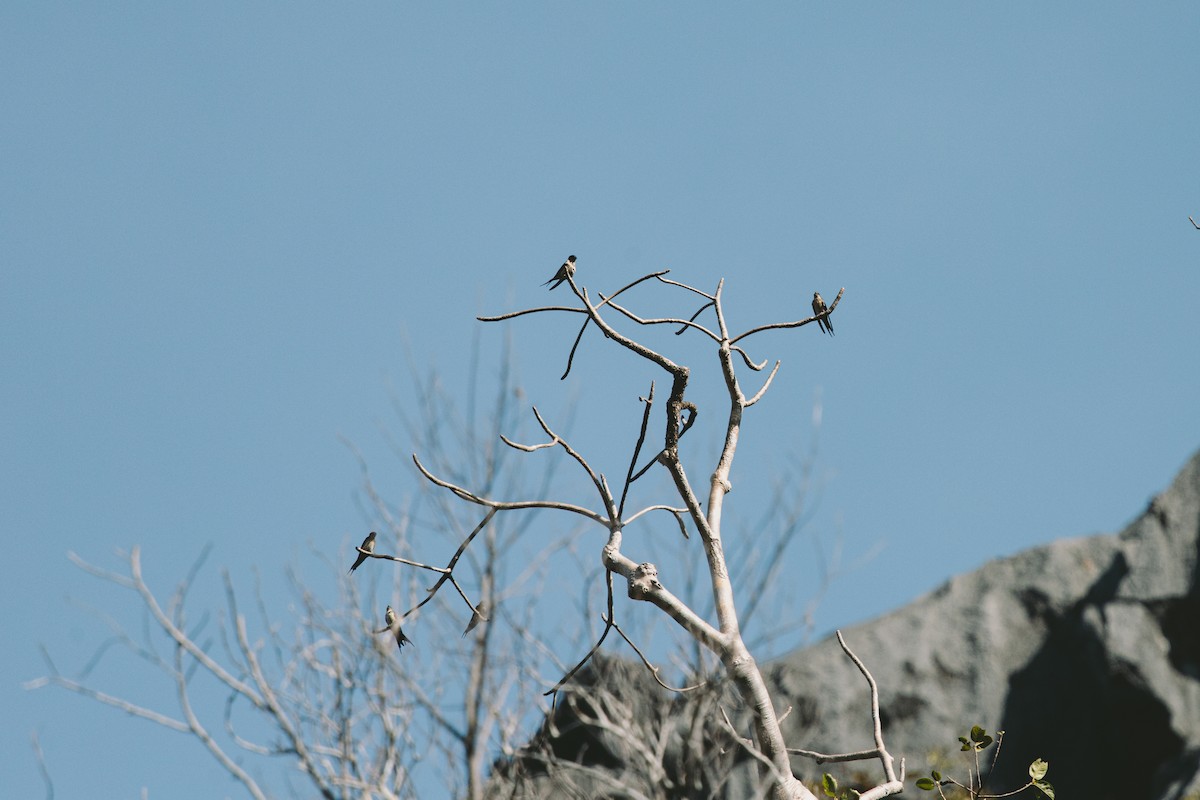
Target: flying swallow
[
  {"x": 394, "y": 626},
  {"x": 479, "y": 615},
  {"x": 368, "y": 545},
  {"x": 819, "y": 307},
  {"x": 567, "y": 270}
]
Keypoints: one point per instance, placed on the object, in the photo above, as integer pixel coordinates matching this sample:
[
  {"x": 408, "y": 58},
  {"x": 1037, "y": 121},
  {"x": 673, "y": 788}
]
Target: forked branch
[
  {"x": 500, "y": 505},
  {"x": 892, "y": 784}
]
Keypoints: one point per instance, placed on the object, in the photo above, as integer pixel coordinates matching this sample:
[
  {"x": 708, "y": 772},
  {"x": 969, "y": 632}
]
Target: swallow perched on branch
[
  {"x": 368, "y": 545},
  {"x": 393, "y": 625},
  {"x": 567, "y": 270},
  {"x": 479, "y": 615},
  {"x": 819, "y": 307}
]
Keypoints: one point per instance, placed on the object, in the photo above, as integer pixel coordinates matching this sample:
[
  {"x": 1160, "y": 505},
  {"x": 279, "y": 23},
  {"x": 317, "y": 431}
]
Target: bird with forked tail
[
  {"x": 819, "y": 307},
  {"x": 480, "y": 614},
  {"x": 393, "y": 625},
  {"x": 567, "y": 270},
  {"x": 368, "y": 545}
]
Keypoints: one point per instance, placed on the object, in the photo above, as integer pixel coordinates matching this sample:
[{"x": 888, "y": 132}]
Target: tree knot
[{"x": 644, "y": 581}]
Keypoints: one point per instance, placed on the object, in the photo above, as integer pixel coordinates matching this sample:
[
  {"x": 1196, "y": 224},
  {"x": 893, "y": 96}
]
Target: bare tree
[
  {"x": 692, "y": 510},
  {"x": 312, "y": 686}
]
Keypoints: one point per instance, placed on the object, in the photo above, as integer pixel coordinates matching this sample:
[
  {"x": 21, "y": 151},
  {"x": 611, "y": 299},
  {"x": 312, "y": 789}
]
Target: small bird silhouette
[
  {"x": 567, "y": 270},
  {"x": 368, "y": 545},
  {"x": 394, "y": 625},
  {"x": 479, "y": 615},
  {"x": 819, "y": 307}
]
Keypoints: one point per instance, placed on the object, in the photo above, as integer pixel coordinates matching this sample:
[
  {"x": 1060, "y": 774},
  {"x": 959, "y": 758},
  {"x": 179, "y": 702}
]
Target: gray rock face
[{"x": 1086, "y": 652}]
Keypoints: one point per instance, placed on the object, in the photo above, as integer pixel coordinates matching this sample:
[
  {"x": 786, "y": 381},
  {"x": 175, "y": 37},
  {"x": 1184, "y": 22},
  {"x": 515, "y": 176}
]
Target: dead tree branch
[
  {"x": 642, "y": 579},
  {"x": 892, "y": 784}
]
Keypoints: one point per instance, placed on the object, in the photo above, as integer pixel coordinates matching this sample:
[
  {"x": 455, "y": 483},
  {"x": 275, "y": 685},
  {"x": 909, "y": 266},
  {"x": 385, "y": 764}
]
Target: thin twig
[
  {"x": 692, "y": 318},
  {"x": 508, "y": 506},
  {"x": 646, "y": 468},
  {"x": 524, "y": 311},
  {"x": 574, "y": 347},
  {"x": 777, "y": 325},
  {"x": 758, "y": 395},
  {"x": 607, "y": 627},
  {"x": 399, "y": 560},
  {"x": 632, "y": 284},
  {"x": 749, "y": 362},
  {"x": 648, "y": 402},
  {"x": 116, "y": 702},
  {"x": 526, "y": 448},
  {"x": 676, "y": 512},
  {"x": 198, "y": 730},
  {"x": 448, "y": 572},
  {"x": 682, "y": 285},
  {"x": 834, "y": 758},
  {"x": 270, "y": 704},
  {"x": 597, "y": 480},
  {"x": 749, "y": 747},
  {"x": 653, "y": 669},
  {"x": 892, "y": 784},
  {"x": 41, "y": 761},
  {"x": 684, "y": 323}
]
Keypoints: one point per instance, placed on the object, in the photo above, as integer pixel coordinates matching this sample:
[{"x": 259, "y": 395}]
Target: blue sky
[{"x": 221, "y": 226}]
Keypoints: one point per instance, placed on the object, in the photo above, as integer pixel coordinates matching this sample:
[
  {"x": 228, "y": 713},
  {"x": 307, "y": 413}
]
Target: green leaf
[
  {"x": 937, "y": 776},
  {"x": 1038, "y": 769},
  {"x": 977, "y": 733},
  {"x": 1045, "y": 788},
  {"x": 925, "y": 783},
  {"x": 829, "y": 785},
  {"x": 966, "y": 744},
  {"x": 985, "y": 743}
]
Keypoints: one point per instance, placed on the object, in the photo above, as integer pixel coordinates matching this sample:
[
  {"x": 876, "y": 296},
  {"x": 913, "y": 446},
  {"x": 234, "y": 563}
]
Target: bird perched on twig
[
  {"x": 567, "y": 270},
  {"x": 393, "y": 625},
  {"x": 479, "y": 615},
  {"x": 819, "y": 307},
  {"x": 368, "y": 545}
]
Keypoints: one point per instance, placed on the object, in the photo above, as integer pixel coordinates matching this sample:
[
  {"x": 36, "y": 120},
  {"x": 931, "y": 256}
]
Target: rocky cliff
[{"x": 1086, "y": 651}]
